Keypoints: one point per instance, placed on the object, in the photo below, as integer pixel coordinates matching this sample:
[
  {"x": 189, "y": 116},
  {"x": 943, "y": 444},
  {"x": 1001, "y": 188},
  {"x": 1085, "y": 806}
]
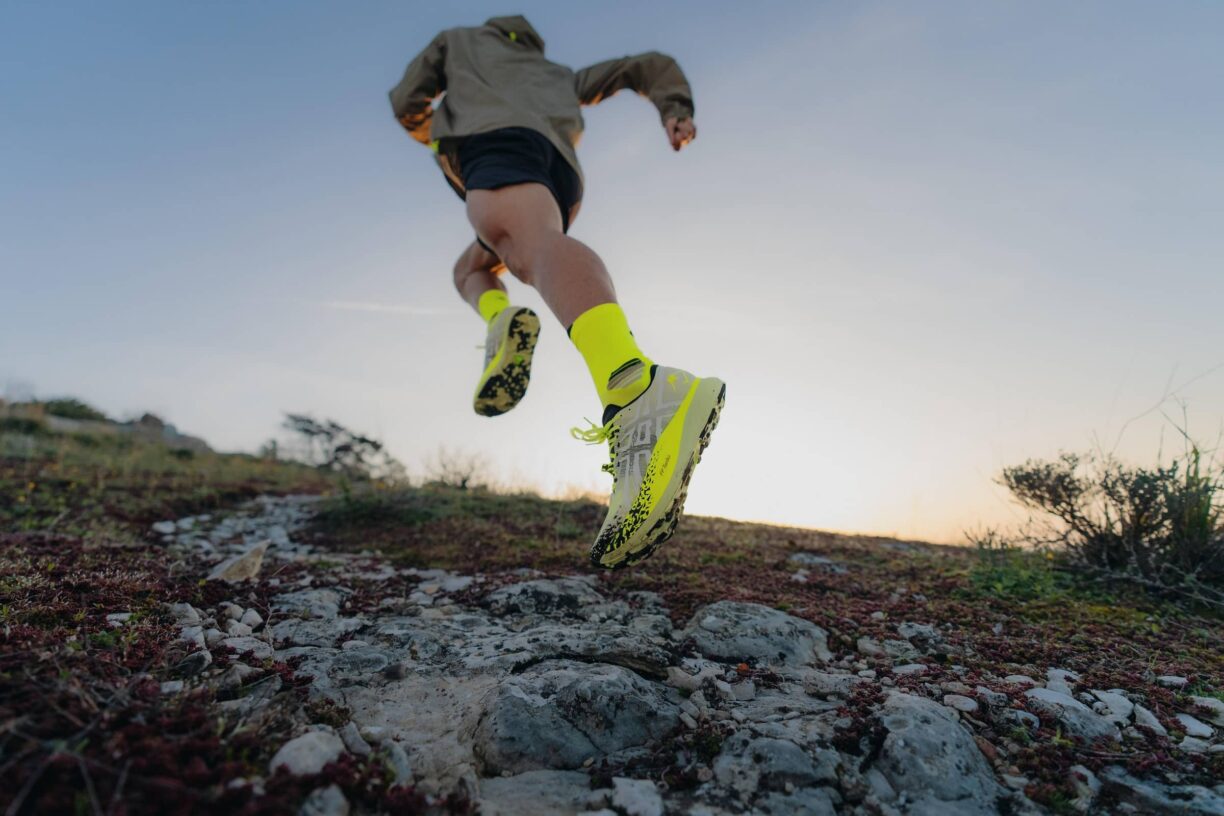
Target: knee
[{"x": 521, "y": 252}]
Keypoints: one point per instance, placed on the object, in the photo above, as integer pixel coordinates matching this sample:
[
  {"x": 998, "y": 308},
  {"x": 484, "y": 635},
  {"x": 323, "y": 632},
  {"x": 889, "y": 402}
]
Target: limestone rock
[
  {"x": 1151, "y": 797},
  {"x": 1117, "y": 708},
  {"x": 558, "y": 713},
  {"x": 1214, "y": 709},
  {"x": 802, "y": 802},
  {"x": 241, "y": 645},
  {"x": 544, "y": 596},
  {"x": 960, "y": 703},
  {"x": 746, "y": 765},
  {"x": 636, "y": 797},
  {"x": 241, "y": 567},
  {"x": 308, "y": 753},
  {"x": 327, "y": 801},
  {"x": 1148, "y": 720},
  {"x": 1075, "y": 717},
  {"x": 732, "y": 632},
  {"x": 1194, "y": 727},
  {"x": 533, "y": 793},
  {"x": 930, "y": 758}
]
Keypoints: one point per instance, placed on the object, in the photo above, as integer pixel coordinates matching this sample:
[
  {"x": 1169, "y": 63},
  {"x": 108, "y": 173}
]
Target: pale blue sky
[{"x": 920, "y": 241}]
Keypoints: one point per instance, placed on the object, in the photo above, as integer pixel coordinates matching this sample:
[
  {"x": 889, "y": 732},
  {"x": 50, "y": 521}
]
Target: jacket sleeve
[
  {"x": 423, "y": 82},
  {"x": 653, "y": 75}
]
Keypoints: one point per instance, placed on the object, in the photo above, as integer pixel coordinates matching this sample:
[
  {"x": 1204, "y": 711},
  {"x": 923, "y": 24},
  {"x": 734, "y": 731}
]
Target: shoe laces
[{"x": 597, "y": 434}]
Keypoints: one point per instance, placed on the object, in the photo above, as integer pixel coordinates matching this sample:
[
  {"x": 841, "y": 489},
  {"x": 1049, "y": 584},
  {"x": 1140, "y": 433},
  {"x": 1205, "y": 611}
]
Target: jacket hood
[{"x": 516, "y": 26}]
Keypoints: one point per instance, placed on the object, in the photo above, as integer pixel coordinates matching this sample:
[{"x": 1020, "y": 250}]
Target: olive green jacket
[{"x": 495, "y": 76}]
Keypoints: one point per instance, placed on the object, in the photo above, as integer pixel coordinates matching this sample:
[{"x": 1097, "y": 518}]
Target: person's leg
[
  {"x": 522, "y": 223},
  {"x": 477, "y": 278}
]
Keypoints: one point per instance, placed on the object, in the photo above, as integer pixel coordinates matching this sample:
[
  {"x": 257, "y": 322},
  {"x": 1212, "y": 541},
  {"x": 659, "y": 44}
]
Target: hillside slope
[{"x": 443, "y": 650}]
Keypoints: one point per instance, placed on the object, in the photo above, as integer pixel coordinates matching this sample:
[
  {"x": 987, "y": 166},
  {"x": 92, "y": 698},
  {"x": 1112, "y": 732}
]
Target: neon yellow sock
[
  {"x": 619, "y": 368},
  {"x": 491, "y": 304}
]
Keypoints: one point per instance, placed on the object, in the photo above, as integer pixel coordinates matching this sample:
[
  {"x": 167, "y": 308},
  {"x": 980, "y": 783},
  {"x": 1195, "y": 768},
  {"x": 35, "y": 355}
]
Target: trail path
[{"x": 545, "y": 696}]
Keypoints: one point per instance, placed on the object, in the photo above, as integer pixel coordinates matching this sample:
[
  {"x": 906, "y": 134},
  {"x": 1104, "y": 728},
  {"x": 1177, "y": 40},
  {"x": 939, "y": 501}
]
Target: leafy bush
[
  {"x": 1162, "y": 527},
  {"x": 72, "y": 408}
]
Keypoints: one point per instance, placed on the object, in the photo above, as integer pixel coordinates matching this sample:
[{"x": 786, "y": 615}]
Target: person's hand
[{"x": 680, "y": 131}]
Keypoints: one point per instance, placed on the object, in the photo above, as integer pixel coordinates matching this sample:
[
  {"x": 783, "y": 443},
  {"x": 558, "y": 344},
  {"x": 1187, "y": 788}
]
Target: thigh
[{"x": 511, "y": 216}]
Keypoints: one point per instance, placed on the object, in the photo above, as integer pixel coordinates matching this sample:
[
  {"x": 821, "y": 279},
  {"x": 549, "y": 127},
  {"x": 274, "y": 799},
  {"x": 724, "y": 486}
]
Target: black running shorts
[{"x": 499, "y": 158}]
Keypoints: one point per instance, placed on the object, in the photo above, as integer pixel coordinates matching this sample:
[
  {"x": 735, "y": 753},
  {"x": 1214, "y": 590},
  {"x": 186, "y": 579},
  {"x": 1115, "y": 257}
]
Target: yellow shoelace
[{"x": 597, "y": 434}]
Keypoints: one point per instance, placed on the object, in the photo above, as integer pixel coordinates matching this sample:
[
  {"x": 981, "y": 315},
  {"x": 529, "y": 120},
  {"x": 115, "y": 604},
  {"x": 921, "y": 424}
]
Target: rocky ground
[{"x": 520, "y": 692}]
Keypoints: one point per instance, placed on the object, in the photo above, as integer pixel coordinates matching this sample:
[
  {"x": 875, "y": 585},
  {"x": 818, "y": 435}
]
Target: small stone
[
  {"x": 241, "y": 567},
  {"x": 229, "y": 610},
  {"x": 990, "y": 697},
  {"x": 213, "y": 636},
  {"x": 1171, "y": 681},
  {"x": 1076, "y": 718},
  {"x": 744, "y": 691},
  {"x": 398, "y": 759},
  {"x": 1194, "y": 745},
  {"x": 185, "y": 613},
  {"x": 193, "y": 635},
  {"x": 1195, "y": 727},
  {"x": 1018, "y": 718},
  {"x": 909, "y": 668},
  {"x": 636, "y": 797},
  {"x": 867, "y": 674},
  {"x": 374, "y": 733},
  {"x": 1214, "y": 707},
  {"x": 349, "y": 645},
  {"x": 1015, "y": 782},
  {"x": 236, "y": 675},
  {"x": 960, "y": 703},
  {"x": 1061, "y": 681},
  {"x": 1117, "y": 707},
  {"x": 238, "y": 629},
  {"x": 353, "y": 740},
  {"x": 877, "y": 615},
  {"x": 186, "y": 523},
  {"x": 307, "y": 754},
  {"x": 704, "y": 774},
  {"x": 1020, "y": 680},
  {"x": 118, "y": 618},
  {"x": 193, "y": 664},
  {"x": 172, "y": 687},
  {"x": 252, "y": 619},
  {"x": 688, "y": 720},
  {"x": 165, "y": 528},
  {"x": 679, "y": 678},
  {"x": 1147, "y": 719},
  {"x": 869, "y": 647},
  {"x": 1087, "y": 788},
  {"x": 327, "y": 801},
  {"x": 257, "y": 647}
]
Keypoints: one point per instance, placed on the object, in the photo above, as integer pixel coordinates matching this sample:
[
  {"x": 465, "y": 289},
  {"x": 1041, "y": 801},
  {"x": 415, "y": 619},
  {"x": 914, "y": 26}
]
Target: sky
[{"x": 919, "y": 241}]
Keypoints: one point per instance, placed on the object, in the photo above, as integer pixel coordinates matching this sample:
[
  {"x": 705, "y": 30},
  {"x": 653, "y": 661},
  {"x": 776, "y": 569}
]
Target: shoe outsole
[
  {"x": 505, "y": 386},
  {"x": 665, "y": 528}
]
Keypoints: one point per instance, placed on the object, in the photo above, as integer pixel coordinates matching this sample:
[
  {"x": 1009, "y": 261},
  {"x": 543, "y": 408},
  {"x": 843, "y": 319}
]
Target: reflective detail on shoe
[
  {"x": 627, "y": 374},
  {"x": 508, "y": 350},
  {"x": 654, "y": 443}
]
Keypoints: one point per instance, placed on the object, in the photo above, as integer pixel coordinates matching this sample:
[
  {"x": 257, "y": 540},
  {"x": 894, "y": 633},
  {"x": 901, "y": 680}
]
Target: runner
[{"x": 504, "y": 135}]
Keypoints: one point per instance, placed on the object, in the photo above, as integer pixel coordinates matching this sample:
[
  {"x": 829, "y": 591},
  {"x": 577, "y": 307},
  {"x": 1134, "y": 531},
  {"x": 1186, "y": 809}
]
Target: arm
[
  {"x": 423, "y": 82},
  {"x": 653, "y": 75}
]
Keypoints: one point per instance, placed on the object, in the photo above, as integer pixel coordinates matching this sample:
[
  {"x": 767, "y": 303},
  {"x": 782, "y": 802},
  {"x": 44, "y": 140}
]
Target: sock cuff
[
  {"x": 491, "y": 304},
  {"x": 606, "y": 317}
]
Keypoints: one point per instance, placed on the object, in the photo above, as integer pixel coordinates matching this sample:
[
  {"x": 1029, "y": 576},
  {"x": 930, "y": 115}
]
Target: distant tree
[
  {"x": 331, "y": 446},
  {"x": 73, "y": 408}
]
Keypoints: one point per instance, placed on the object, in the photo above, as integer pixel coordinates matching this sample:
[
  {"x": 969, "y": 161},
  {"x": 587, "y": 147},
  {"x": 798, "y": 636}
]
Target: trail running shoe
[
  {"x": 655, "y": 442},
  {"x": 508, "y": 347}
]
